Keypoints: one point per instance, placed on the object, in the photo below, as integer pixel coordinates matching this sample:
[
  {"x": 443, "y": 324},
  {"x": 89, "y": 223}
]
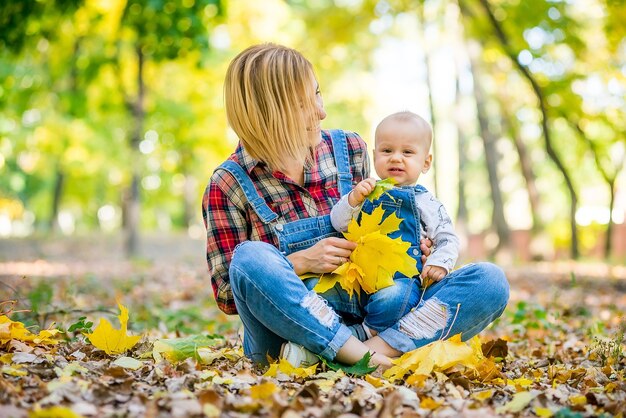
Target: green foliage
[
  {"x": 40, "y": 297},
  {"x": 529, "y": 316},
  {"x": 381, "y": 187},
  {"x": 360, "y": 368},
  {"x": 69, "y": 97},
  {"x": 81, "y": 326}
]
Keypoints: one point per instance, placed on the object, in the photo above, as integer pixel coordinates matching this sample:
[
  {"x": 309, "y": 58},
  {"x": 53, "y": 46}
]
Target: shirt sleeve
[
  {"x": 342, "y": 213},
  {"x": 359, "y": 160},
  {"x": 438, "y": 227},
  {"x": 226, "y": 227}
]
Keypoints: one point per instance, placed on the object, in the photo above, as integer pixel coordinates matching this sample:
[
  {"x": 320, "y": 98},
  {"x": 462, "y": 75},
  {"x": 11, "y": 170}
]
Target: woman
[{"x": 267, "y": 208}]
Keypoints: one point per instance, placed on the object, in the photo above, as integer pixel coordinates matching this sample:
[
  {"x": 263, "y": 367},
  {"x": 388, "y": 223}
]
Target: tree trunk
[
  {"x": 544, "y": 124},
  {"x": 431, "y": 105},
  {"x": 608, "y": 243},
  {"x": 609, "y": 173},
  {"x": 491, "y": 160},
  {"x": 132, "y": 205},
  {"x": 525, "y": 165},
  {"x": 57, "y": 193},
  {"x": 461, "y": 214}
]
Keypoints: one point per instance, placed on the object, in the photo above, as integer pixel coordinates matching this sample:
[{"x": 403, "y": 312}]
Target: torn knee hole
[
  {"x": 318, "y": 307},
  {"x": 426, "y": 321}
]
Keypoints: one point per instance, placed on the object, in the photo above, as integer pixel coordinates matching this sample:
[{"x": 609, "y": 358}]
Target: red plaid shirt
[{"x": 229, "y": 219}]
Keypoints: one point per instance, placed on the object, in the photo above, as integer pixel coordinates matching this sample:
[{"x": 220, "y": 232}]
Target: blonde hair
[
  {"x": 271, "y": 104},
  {"x": 405, "y": 116}
]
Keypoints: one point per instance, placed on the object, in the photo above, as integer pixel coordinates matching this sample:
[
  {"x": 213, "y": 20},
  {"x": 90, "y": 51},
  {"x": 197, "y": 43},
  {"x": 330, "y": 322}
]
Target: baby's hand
[
  {"x": 434, "y": 273},
  {"x": 360, "y": 191}
]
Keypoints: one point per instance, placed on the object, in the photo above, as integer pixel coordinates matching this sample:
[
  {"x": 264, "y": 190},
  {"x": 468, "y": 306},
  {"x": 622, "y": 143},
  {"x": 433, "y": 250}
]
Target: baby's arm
[
  {"x": 439, "y": 229},
  {"x": 349, "y": 205}
]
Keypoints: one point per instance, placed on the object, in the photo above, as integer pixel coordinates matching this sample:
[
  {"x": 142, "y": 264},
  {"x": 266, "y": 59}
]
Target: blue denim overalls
[{"x": 401, "y": 201}]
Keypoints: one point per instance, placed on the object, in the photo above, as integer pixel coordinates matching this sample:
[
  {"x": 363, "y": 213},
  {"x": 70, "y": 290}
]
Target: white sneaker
[{"x": 297, "y": 355}]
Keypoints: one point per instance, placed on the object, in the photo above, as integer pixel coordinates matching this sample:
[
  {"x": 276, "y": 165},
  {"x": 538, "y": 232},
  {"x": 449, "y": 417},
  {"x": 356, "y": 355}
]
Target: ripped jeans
[{"x": 275, "y": 306}]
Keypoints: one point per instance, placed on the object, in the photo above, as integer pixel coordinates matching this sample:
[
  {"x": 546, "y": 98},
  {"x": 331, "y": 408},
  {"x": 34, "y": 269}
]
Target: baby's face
[{"x": 401, "y": 152}]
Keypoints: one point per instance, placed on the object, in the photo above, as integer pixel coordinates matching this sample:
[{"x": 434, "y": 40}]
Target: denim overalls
[{"x": 401, "y": 201}]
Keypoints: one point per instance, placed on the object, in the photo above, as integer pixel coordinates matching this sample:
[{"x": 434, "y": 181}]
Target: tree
[{"x": 153, "y": 31}]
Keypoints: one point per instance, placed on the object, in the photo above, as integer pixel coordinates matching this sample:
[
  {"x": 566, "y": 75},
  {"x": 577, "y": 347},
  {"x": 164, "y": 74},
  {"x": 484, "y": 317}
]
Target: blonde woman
[{"x": 266, "y": 210}]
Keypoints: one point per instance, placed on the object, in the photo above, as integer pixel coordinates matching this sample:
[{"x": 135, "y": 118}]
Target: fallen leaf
[
  {"x": 128, "y": 363},
  {"x": 520, "y": 401},
  {"x": 15, "y": 330},
  {"x": 54, "y": 412},
  {"x": 438, "y": 355},
  {"x": 111, "y": 340},
  {"x": 360, "y": 368},
  {"x": 263, "y": 390},
  {"x": 179, "y": 349},
  {"x": 286, "y": 368}
]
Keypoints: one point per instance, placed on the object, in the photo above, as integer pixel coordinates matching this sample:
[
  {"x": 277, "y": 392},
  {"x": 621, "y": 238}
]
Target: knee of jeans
[
  {"x": 248, "y": 253},
  {"x": 388, "y": 305},
  {"x": 496, "y": 283},
  {"x": 246, "y": 259},
  {"x": 393, "y": 297}
]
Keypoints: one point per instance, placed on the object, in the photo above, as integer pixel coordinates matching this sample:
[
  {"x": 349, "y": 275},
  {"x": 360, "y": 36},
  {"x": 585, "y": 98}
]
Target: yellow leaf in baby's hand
[
  {"x": 377, "y": 257},
  {"x": 111, "y": 340}
]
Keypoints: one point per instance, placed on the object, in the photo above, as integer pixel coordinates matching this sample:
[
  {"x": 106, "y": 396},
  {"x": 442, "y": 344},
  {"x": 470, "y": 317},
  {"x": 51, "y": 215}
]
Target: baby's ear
[{"x": 427, "y": 163}]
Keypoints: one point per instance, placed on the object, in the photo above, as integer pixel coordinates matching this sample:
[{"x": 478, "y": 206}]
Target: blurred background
[{"x": 112, "y": 116}]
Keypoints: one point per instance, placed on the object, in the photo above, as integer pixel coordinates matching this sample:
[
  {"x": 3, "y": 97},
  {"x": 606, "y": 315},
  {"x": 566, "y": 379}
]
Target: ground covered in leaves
[{"x": 557, "y": 351}]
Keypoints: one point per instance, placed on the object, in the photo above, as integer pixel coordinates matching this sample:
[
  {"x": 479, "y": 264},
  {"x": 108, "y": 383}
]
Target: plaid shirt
[{"x": 229, "y": 219}]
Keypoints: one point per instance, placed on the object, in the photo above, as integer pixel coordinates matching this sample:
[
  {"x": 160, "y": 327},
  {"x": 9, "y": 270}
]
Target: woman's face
[{"x": 319, "y": 116}]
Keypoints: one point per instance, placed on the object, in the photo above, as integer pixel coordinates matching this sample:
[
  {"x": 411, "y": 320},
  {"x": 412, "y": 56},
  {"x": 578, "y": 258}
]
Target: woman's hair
[{"x": 270, "y": 104}]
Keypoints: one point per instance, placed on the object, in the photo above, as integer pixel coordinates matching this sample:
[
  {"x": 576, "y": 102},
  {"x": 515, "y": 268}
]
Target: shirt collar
[{"x": 245, "y": 160}]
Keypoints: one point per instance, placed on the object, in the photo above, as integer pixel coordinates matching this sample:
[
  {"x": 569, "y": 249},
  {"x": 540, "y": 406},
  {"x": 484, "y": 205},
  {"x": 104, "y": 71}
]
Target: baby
[{"x": 402, "y": 152}]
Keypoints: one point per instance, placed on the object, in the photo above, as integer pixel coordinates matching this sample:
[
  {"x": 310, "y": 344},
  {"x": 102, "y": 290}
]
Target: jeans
[{"x": 275, "y": 306}]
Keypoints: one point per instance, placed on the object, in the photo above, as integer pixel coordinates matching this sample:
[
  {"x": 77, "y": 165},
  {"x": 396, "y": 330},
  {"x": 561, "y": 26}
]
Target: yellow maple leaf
[
  {"x": 285, "y": 367},
  {"x": 111, "y": 340},
  {"x": 15, "y": 330},
  {"x": 376, "y": 258},
  {"x": 437, "y": 356},
  {"x": 263, "y": 390},
  {"x": 54, "y": 412}
]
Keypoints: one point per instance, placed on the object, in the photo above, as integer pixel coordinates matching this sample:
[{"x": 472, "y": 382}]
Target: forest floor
[{"x": 558, "y": 349}]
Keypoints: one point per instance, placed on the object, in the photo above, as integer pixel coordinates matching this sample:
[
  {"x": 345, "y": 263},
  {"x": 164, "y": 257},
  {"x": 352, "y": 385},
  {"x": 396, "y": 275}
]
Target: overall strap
[
  {"x": 257, "y": 202},
  {"x": 340, "y": 151}
]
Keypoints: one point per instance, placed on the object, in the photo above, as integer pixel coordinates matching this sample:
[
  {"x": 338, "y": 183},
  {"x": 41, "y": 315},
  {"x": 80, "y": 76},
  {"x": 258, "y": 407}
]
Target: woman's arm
[{"x": 226, "y": 227}]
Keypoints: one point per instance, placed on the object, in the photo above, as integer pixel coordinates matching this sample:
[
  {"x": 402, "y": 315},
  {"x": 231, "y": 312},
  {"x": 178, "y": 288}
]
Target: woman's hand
[{"x": 323, "y": 257}]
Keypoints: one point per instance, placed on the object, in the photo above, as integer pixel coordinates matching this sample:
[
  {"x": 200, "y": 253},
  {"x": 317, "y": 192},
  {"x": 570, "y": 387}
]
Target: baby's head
[{"x": 402, "y": 148}]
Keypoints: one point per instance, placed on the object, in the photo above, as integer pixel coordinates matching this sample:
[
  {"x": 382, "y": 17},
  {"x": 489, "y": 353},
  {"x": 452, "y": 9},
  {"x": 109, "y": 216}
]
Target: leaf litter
[{"x": 558, "y": 351}]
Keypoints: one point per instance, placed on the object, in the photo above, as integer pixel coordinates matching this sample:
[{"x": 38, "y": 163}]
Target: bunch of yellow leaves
[
  {"x": 13, "y": 330},
  {"x": 438, "y": 356},
  {"x": 376, "y": 258},
  {"x": 111, "y": 340}
]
